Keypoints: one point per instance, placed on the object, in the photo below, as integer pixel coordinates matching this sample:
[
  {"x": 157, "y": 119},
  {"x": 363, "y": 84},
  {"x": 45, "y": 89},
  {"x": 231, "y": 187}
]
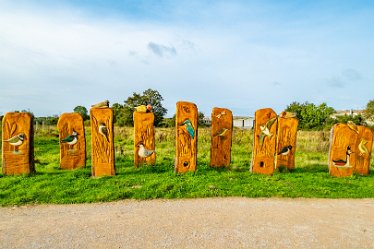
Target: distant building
[
  {"x": 207, "y": 121},
  {"x": 352, "y": 113},
  {"x": 347, "y": 113},
  {"x": 243, "y": 122}
]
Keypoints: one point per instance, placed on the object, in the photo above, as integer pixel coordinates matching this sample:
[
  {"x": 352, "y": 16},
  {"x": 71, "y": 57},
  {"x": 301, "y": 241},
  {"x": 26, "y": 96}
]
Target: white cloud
[
  {"x": 54, "y": 59},
  {"x": 162, "y": 50}
]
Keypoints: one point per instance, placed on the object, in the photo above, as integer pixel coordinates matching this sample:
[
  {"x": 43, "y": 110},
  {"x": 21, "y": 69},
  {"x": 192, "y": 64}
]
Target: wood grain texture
[
  {"x": 18, "y": 159},
  {"x": 360, "y": 141},
  {"x": 72, "y": 156},
  {"x": 363, "y": 157},
  {"x": 186, "y": 143},
  {"x": 144, "y": 133},
  {"x": 264, "y": 142},
  {"x": 103, "y": 161},
  {"x": 221, "y": 137},
  {"x": 286, "y": 136}
]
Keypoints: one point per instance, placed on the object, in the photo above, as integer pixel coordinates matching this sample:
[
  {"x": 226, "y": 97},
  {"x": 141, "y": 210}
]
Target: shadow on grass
[
  {"x": 313, "y": 168},
  {"x": 143, "y": 170},
  {"x": 219, "y": 169}
]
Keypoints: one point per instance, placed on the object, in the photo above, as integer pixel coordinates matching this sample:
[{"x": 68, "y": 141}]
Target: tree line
[
  {"x": 310, "y": 116},
  {"x": 320, "y": 117},
  {"x": 123, "y": 112}
]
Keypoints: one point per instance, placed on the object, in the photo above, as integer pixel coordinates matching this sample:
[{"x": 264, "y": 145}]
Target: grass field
[{"x": 52, "y": 185}]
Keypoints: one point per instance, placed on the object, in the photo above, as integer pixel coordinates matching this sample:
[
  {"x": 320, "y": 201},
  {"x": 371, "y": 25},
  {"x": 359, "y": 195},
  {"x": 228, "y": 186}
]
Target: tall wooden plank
[
  {"x": 286, "y": 142},
  {"x": 364, "y": 146},
  {"x": 350, "y": 150},
  {"x": 342, "y": 142},
  {"x": 18, "y": 143},
  {"x": 221, "y": 138},
  {"x": 144, "y": 139},
  {"x": 186, "y": 137},
  {"x": 103, "y": 161},
  {"x": 72, "y": 141},
  {"x": 264, "y": 141}
]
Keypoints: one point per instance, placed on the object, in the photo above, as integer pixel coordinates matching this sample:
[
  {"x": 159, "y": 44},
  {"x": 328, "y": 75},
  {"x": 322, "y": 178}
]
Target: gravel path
[{"x": 192, "y": 223}]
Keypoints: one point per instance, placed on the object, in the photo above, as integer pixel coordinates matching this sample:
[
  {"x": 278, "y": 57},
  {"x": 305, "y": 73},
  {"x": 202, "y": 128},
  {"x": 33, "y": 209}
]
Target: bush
[{"x": 311, "y": 116}]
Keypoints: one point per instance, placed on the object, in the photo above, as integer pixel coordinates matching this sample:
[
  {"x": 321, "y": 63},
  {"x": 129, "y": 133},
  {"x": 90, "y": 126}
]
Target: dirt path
[{"x": 195, "y": 223}]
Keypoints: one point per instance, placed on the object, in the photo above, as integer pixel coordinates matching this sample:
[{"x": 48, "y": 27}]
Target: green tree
[
  {"x": 82, "y": 111},
  {"x": 149, "y": 96},
  {"x": 168, "y": 122},
  {"x": 357, "y": 119},
  {"x": 122, "y": 115},
  {"x": 50, "y": 120},
  {"x": 311, "y": 116},
  {"x": 369, "y": 111}
]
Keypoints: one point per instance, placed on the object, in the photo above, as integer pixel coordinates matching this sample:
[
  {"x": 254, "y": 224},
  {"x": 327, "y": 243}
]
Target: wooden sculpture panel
[
  {"x": 103, "y": 161},
  {"x": 186, "y": 137},
  {"x": 18, "y": 143},
  {"x": 264, "y": 141},
  {"x": 363, "y": 146},
  {"x": 144, "y": 139},
  {"x": 72, "y": 141},
  {"x": 286, "y": 142},
  {"x": 350, "y": 150},
  {"x": 220, "y": 150}
]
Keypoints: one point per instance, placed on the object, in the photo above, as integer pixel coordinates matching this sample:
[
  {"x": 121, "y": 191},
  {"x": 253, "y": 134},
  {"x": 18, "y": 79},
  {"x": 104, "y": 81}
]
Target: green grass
[{"x": 52, "y": 185}]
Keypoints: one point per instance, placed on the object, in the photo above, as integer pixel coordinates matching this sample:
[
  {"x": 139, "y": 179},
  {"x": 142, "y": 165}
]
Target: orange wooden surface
[
  {"x": 221, "y": 137},
  {"x": 72, "y": 156},
  {"x": 103, "y": 161},
  {"x": 264, "y": 142},
  {"x": 360, "y": 141},
  {"x": 186, "y": 145},
  {"x": 144, "y": 133},
  {"x": 286, "y": 136},
  {"x": 18, "y": 159},
  {"x": 364, "y": 147}
]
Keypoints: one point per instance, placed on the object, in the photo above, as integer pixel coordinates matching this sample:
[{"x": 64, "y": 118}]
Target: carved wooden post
[
  {"x": 72, "y": 141},
  {"x": 144, "y": 138},
  {"x": 220, "y": 150},
  {"x": 186, "y": 137},
  {"x": 264, "y": 141},
  {"x": 350, "y": 150},
  {"x": 286, "y": 141},
  {"x": 18, "y": 143},
  {"x": 103, "y": 161},
  {"x": 364, "y": 146}
]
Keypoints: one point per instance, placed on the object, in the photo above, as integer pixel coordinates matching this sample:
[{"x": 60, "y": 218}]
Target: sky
[{"x": 241, "y": 55}]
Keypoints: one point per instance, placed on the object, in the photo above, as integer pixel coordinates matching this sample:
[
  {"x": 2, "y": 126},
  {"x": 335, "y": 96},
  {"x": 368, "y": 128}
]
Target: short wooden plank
[
  {"x": 221, "y": 137},
  {"x": 264, "y": 142},
  {"x": 342, "y": 143},
  {"x": 350, "y": 150},
  {"x": 72, "y": 141},
  {"x": 18, "y": 143},
  {"x": 144, "y": 139}
]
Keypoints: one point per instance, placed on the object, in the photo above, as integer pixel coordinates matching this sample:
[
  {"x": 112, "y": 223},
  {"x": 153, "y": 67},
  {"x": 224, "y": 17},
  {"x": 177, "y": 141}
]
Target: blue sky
[{"x": 242, "y": 55}]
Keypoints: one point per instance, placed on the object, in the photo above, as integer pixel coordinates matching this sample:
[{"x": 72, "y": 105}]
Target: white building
[
  {"x": 347, "y": 113},
  {"x": 243, "y": 122}
]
